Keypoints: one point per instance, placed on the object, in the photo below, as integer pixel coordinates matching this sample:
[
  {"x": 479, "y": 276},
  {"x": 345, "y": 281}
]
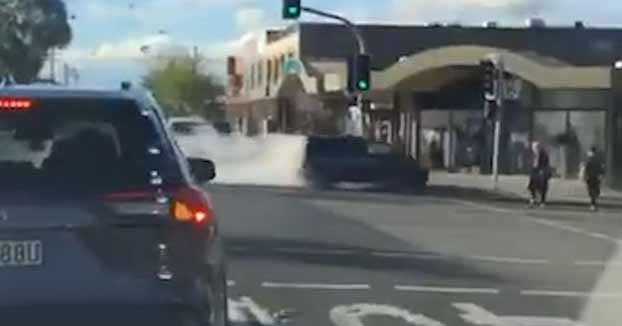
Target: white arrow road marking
[
  {"x": 237, "y": 312},
  {"x": 353, "y": 315},
  {"x": 477, "y": 315},
  {"x": 246, "y": 310}
]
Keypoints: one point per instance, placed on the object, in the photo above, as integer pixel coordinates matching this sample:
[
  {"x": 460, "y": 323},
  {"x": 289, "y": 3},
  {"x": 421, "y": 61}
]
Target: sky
[{"x": 109, "y": 34}]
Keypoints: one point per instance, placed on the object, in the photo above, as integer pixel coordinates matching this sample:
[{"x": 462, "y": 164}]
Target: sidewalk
[{"x": 515, "y": 186}]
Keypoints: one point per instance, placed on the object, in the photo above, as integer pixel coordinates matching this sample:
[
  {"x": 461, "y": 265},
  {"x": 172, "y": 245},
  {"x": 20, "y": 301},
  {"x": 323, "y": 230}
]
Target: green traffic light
[
  {"x": 293, "y": 11},
  {"x": 363, "y": 85}
]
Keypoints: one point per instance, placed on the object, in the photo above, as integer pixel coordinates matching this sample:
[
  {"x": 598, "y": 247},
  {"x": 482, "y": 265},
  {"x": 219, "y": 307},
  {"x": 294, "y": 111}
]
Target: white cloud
[
  {"x": 134, "y": 48},
  {"x": 250, "y": 18},
  {"x": 247, "y": 44},
  {"x": 506, "y": 12}
]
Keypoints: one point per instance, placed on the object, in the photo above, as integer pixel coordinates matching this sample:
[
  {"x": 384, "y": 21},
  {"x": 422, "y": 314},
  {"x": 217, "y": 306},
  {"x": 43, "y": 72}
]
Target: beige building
[{"x": 426, "y": 96}]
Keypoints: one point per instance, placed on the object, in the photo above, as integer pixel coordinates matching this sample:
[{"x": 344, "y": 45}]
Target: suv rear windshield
[{"x": 84, "y": 145}]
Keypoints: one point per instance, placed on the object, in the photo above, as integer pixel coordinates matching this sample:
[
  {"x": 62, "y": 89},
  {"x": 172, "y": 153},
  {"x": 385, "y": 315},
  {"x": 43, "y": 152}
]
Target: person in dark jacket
[
  {"x": 539, "y": 176},
  {"x": 592, "y": 176}
]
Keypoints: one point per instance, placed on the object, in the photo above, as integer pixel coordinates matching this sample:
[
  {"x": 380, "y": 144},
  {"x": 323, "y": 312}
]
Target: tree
[
  {"x": 28, "y": 30},
  {"x": 181, "y": 88}
]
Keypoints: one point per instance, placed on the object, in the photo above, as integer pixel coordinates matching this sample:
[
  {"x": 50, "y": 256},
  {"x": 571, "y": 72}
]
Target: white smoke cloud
[{"x": 271, "y": 160}]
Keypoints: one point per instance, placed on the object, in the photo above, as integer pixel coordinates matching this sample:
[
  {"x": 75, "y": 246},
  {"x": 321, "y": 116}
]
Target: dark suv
[{"x": 102, "y": 219}]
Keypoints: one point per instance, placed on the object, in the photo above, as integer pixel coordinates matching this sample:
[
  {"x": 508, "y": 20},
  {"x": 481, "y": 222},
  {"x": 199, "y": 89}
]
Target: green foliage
[
  {"x": 182, "y": 89},
  {"x": 28, "y": 29}
]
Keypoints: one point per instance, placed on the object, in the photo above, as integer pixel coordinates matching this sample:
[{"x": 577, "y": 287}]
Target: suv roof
[{"x": 50, "y": 91}]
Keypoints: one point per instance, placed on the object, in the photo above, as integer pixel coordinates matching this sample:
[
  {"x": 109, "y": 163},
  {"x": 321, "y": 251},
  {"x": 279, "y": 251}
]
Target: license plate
[{"x": 21, "y": 253}]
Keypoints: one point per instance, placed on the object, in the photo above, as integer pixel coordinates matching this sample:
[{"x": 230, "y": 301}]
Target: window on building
[
  {"x": 568, "y": 135},
  {"x": 277, "y": 71},
  {"x": 253, "y": 76},
  {"x": 259, "y": 73},
  {"x": 269, "y": 71}
]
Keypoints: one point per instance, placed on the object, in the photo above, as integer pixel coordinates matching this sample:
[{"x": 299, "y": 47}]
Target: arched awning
[{"x": 542, "y": 73}]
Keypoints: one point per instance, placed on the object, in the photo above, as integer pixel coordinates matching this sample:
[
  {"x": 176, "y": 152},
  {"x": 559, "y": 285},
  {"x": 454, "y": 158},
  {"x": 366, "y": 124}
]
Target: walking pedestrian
[
  {"x": 593, "y": 174},
  {"x": 539, "y": 175}
]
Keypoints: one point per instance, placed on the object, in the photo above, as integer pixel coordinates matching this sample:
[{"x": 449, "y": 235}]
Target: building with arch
[{"x": 427, "y": 90}]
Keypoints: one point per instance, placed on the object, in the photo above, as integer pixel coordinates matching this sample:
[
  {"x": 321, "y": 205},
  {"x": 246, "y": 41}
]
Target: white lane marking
[
  {"x": 549, "y": 223},
  {"x": 477, "y": 315},
  {"x": 309, "y": 251},
  {"x": 575, "y": 230},
  {"x": 416, "y": 288},
  {"x": 245, "y": 310},
  {"x": 512, "y": 260},
  {"x": 482, "y": 206},
  {"x": 495, "y": 259},
  {"x": 240, "y": 248},
  {"x": 571, "y": 294},
  {"x": 353, "y": 315},
  {"x": 315, "y": 286},
  {"x": 230, "y": 283},
  {"x": 236, "y": 311},
  {"x": 598, "y": 263},
  {"x": 406, "y": 255},
  {"x": 261, "y": 315}
]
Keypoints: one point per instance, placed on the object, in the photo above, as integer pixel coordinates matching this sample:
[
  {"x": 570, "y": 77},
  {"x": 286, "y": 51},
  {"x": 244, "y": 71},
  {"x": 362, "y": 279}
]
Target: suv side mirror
[{"x": 202, "y": 169}]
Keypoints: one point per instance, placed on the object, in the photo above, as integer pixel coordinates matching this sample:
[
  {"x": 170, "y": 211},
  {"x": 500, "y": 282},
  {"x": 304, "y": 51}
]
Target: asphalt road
[{"x": 354, "y": 258}]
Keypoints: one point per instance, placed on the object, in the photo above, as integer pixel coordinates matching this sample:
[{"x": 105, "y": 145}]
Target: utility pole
[{"x": 499, "y": 120}]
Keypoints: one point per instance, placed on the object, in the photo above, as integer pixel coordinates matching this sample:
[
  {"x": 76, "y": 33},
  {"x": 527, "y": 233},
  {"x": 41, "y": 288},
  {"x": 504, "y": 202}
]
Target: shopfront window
[
  {"x": 568, "y": 135},
  {"x": 549, "y": 128}
]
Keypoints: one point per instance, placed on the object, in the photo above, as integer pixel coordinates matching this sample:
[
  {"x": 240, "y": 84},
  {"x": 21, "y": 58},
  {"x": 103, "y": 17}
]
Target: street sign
[{"x": 293, "y": 67}]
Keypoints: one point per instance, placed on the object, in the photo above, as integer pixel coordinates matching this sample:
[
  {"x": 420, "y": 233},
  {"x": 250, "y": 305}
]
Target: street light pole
[
  {"x": 360, "y": 40},
  {"x": 501, "y": 89}
]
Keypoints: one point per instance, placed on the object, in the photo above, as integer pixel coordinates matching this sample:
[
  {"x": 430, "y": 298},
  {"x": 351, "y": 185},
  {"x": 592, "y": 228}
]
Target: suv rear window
[{"x": 82, "y": 145}]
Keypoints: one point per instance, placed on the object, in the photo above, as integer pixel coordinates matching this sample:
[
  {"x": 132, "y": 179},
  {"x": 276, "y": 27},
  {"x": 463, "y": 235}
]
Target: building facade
[{"x": 426, "y": 96}]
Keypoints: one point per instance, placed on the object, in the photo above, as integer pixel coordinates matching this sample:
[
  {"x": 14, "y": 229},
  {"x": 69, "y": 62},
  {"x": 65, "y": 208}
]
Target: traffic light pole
[
  {"x": 498, "y": 122},
  {"x": 360, "y": 40},
  {"x": 362, "y": 47}
]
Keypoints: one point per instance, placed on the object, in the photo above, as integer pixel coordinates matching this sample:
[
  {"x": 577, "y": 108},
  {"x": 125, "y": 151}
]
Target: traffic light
[
  {"x": 489, "y": 71},
  {"x": 291, "y": 9},
  {"x": 362, "y": 72}
]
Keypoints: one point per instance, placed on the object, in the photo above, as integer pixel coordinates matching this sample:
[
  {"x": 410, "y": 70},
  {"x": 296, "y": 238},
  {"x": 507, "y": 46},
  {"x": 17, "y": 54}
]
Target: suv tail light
[
  {"x": 14, "y": 104},
  {"x": 185, "y": 204}
]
